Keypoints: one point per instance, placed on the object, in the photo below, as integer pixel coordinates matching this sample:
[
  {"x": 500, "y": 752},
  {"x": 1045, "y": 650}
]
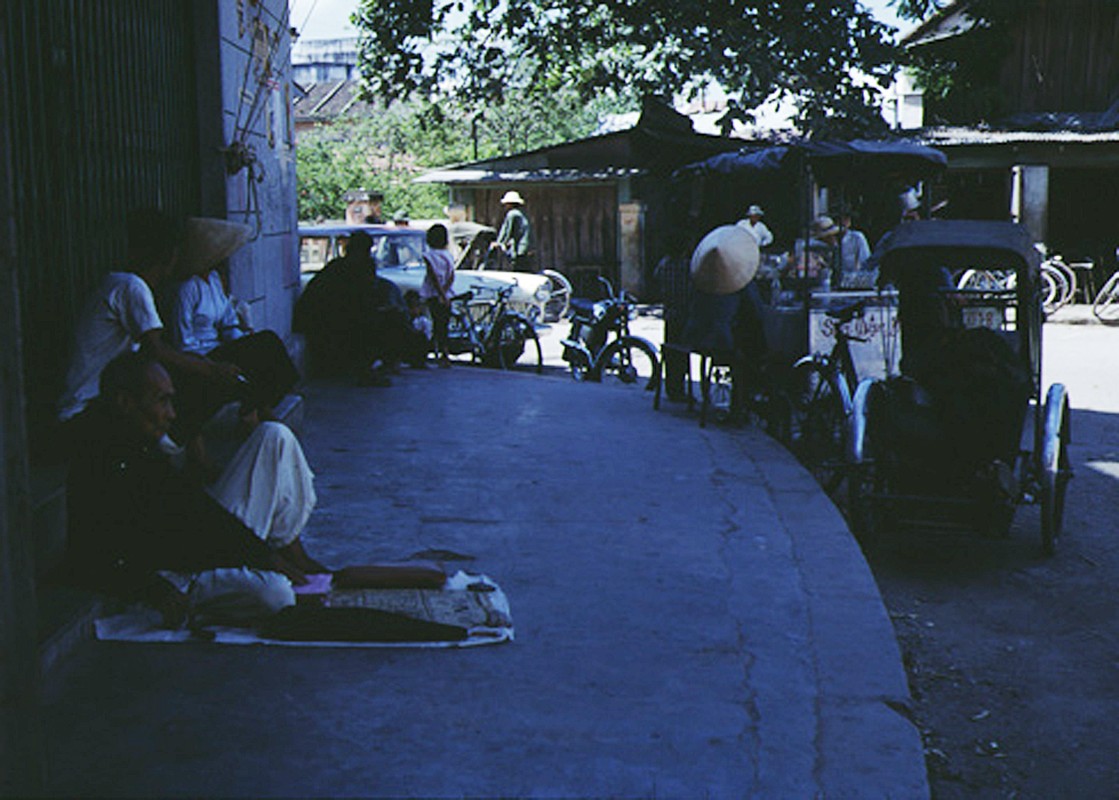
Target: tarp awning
[{"x": 826, "y": 158}]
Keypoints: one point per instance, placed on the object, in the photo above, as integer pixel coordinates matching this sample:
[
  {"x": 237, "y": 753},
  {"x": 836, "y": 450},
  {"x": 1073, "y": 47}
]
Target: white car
[{"x": 398, "y": 251}]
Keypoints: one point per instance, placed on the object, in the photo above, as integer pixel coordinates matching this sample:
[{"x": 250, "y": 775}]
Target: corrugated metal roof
[
  {"x": 946, "y": 137},
  {"x": 476, "y": 175}
]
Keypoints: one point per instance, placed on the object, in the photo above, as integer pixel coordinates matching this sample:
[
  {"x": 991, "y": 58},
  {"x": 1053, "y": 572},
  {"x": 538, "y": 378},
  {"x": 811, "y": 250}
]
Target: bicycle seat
[
  {"x": 848, "y": 313},
  {"x": 465, "y": 297}
]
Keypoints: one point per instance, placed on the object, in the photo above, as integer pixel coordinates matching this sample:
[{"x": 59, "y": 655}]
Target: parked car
[{"x": 398, "y": 253}]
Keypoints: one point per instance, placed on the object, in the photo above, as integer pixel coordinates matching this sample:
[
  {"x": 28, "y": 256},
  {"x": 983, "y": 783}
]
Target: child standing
[{"x": 436, "y": 288}]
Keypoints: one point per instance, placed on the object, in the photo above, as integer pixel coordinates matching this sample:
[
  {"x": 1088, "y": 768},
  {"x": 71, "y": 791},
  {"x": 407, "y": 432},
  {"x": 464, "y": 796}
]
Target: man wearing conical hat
[
  {"x": 121, "y": 315},
  {"x": 203, "y": 320},
  {"x": 725, "y": 321}
]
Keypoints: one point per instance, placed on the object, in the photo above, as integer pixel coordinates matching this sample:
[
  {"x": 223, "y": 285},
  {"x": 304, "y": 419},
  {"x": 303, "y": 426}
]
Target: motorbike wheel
[{"x": 630, "y": 361}]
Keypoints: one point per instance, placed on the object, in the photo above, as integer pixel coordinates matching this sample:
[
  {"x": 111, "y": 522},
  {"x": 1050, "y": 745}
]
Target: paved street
[
  {"x": 692, "y": 618},
  {"x": 1013, "y": 656}
]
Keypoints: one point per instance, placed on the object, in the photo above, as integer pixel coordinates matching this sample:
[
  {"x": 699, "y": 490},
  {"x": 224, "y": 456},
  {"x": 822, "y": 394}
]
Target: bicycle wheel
[
  {"x": 515, "y": 335},
  {"x": 506, "y": 343},
  {"x": 1069, "y": 278},
  {"x": 1106, "y": 304},
  {"x": 1053, "y": 289},
  {"x": 819, "y": 432},
  {"x": 560, "y": 299},
  {"x": 629, "y": 360}
]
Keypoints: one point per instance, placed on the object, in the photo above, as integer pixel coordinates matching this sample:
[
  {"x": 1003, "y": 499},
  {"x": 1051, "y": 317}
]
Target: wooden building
[
  {"x": 598, "y": 205},
  {"x": 1050, "y": 158}
]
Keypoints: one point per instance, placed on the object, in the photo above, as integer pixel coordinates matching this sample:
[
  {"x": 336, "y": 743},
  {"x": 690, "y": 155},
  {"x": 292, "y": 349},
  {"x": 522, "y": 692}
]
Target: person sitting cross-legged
[{"x": 143, "y": 529}]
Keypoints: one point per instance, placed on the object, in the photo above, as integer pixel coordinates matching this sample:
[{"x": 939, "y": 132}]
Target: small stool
[{"x": 709, "y": 361}]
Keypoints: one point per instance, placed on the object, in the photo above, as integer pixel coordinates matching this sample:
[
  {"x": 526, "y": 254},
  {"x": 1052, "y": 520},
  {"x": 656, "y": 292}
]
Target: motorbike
[{"x": 600, "y": 347}]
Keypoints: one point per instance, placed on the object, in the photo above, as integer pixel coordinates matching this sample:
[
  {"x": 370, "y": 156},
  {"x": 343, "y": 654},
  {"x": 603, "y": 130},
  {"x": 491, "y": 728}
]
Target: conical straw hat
[
  {"x": 209, "y": 241},
  {"x": 725, "y": 260}
]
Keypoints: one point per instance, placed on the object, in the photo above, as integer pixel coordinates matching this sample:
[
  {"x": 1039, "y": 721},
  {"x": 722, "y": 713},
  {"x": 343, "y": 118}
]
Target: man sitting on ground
[
  {"x": 339, "y": 311},
  {"x": 144, "y": 530},
  {"x": 120, "y": 315}
]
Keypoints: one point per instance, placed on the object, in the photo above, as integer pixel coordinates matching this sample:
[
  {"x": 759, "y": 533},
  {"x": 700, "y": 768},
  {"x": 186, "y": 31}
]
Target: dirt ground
[{"x": 1013, "y": 658}]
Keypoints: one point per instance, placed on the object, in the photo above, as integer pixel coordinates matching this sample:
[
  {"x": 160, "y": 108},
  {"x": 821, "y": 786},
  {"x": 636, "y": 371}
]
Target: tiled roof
[{"x": 331, "y": 100}]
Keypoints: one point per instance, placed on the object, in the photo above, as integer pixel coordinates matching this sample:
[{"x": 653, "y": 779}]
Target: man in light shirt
[{"x": 753, "y": 223}]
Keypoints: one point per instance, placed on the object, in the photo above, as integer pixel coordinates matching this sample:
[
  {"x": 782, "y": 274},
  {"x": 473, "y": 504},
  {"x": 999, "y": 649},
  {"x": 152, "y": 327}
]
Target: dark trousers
[
  {"x": 269, "y": 375},
  {"x": 675, "y": 363},
  {"x": 440, "y": 319}
]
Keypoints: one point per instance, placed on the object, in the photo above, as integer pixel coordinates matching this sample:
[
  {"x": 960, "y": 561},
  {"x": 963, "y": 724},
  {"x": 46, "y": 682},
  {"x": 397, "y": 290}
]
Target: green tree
[
  {"x": 812, "y": 52},
  {"x": 387, "y": 151}
]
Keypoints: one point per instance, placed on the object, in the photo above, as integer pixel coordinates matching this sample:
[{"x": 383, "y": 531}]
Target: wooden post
[{"x": 21, "y": 742}]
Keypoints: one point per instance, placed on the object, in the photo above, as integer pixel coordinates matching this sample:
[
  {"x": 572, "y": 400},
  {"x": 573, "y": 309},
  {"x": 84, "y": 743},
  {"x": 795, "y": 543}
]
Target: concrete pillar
[
  {"x": 21, "y": 741},
  {"x": 631, "y": 223},
  {"x": 1029, "y": 198}
]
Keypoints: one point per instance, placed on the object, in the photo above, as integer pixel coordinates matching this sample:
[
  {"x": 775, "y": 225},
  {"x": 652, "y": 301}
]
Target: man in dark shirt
[
  {"x": 143, "y": 530},
  {"x": 356, "y": 322}
]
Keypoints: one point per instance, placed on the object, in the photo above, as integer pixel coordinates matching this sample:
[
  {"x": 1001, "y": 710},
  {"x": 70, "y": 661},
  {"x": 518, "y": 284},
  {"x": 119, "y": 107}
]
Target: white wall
[{"x": 264, "y": 273}]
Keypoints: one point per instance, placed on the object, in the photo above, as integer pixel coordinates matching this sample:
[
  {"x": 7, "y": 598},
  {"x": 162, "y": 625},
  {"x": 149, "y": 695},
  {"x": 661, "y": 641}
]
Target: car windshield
[{"x": 400, "y": 249}]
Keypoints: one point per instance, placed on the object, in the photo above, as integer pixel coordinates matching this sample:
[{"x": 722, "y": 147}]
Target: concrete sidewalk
[{"x": 692, "y": 617}]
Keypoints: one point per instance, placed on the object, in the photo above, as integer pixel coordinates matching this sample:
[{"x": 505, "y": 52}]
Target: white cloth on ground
[{"x": 120, "y": 311}]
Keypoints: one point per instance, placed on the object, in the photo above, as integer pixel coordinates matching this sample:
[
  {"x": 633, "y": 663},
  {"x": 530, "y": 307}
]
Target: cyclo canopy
[{"x": 917, "y": 256}]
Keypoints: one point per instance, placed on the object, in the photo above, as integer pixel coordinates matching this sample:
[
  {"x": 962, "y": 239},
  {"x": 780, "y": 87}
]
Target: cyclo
[{"x": 963, "y": 435}]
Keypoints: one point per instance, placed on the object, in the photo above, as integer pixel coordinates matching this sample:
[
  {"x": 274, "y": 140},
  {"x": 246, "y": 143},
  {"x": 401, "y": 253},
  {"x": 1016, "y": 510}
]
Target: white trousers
[{"x": 268, "y": 485}]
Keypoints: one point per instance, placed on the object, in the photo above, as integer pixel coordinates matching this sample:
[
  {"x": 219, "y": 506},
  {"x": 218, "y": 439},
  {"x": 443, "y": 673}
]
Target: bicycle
[
  {"x": 600, "y": 346},
  {"x": 821, "y": 395},
  {"x": 491, "y": 332},
  {"x": 558, "y": 286},
  {"x": 1105, "y": 305}
]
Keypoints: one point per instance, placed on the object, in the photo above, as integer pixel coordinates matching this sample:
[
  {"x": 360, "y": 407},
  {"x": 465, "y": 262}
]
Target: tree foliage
[
  {"x": 960, "y": 75},
  {"x": 812, "y": 52},
  {"x": 387, "y": 151}
]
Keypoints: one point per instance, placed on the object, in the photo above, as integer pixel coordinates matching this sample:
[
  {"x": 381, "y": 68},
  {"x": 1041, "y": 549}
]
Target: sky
[{"x": 330, "y": 19}]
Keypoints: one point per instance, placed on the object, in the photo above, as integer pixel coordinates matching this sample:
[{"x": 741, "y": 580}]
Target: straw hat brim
[
  {"x": 210, "y": 241},
  {"x": 725, "y": 260}
]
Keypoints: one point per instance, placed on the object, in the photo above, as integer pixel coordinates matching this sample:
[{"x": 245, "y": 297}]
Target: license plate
[{"x": 983, "y": 317}]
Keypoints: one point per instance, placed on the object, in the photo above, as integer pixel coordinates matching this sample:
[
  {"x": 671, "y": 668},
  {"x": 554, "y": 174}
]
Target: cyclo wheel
[
  {"x": 1055, "y": 467},
  {"x": 819, "y": 424},
  {"x": 631, "y": 361}
]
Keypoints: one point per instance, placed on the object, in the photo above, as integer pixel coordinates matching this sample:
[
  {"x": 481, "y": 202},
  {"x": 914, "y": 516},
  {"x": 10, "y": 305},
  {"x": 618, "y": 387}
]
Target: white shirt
[
  {"x": 203, "y": 315},
  {"x": 440, "y": 272},
  {"x": 758, "y": 230},
  {"x": 115, "y": 316},
  {"x": 853, "y": 251}
]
